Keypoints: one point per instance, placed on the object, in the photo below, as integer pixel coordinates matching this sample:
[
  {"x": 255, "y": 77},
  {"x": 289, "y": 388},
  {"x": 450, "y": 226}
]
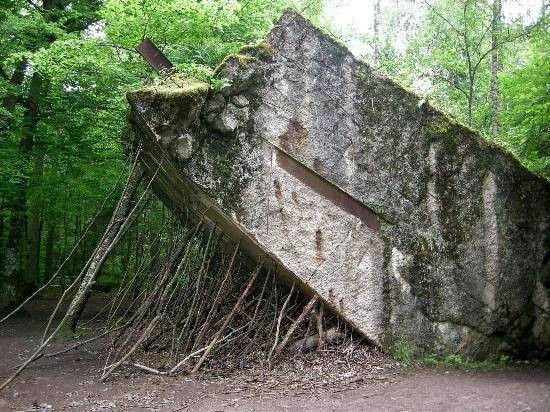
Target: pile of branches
[
  {"x": 205, "y": 298},
  {"x": 199, "y": 296}
]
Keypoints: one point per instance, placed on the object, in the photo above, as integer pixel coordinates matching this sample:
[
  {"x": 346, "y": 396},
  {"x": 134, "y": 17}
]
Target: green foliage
[
  {"x": 404, "y": 352},
  {"x": 525, "y": 121},
  {"x": 442, "y": 50},
  {"x": 504, "y": 359},
  {"x": 459, "y": 362},
  {"x": 430, "y": 359}
]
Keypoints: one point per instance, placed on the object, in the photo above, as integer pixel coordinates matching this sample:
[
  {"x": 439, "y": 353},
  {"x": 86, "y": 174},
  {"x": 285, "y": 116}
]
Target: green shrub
[{"x": 430, "y": 359}]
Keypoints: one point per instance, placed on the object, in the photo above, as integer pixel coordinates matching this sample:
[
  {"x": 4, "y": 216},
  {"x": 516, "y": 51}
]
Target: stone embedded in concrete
[
  {"x": 452, "y": 264},
  {"x": 240, "y": 101},
  {"x": 215, "y": 104},
  {"x": 229, "y": 119}
]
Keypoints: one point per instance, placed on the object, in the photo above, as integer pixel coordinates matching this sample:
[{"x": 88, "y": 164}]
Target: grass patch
[{"x": 464, "y": 362}]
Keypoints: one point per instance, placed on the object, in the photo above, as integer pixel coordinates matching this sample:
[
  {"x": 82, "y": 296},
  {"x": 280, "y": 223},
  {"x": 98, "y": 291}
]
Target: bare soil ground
[{"x": 352, "y": 378}]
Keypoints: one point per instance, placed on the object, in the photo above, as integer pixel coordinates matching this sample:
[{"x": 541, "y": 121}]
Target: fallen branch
[
  {"x": 182, "y": 362},
  {"x": 143, "y": 336},
  {"x": 293, "y": 327},
  {"x": 314, "y": 342}
]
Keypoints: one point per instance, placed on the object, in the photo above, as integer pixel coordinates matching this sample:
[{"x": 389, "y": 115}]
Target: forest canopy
[{"x": 66, "y": 65}]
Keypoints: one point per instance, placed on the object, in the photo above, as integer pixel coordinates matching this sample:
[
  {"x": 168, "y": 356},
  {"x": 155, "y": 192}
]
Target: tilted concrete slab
[{"x": 408, "y": 224}]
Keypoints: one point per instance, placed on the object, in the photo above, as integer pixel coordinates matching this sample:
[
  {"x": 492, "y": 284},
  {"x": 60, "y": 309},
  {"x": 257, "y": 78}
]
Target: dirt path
[{"x": 71, "y": 383}]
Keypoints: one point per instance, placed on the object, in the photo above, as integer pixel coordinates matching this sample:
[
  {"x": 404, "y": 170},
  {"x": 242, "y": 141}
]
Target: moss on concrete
[
  {"x": 166, "y": 90},
  {"x": 260, "y": 49},
  {"x": 242, "y": 60}
]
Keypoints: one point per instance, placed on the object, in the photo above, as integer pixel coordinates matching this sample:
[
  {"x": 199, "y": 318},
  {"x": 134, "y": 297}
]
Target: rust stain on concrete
[
  {"x": 326, "y": 189},
  {"x": 319, "y": 255},
  {"x": 278, "y": 191}
]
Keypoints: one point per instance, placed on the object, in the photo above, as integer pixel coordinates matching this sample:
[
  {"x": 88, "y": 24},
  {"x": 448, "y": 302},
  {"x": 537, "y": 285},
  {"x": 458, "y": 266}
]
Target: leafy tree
[
  {"x": 487, "y": 71},
  {"x": 27, "y": 28},
  {"x": 525, "y": 117}
]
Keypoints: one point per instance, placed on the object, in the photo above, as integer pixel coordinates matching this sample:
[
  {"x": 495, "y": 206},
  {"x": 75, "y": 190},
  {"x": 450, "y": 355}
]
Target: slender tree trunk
[
  {"x": 2, "y": 232},
  {"x": 376, "y": 28},
  {"x": 470, "y": 103},
  {"x": 495, "y": 67},
  {"x": 49, "y": 258},
  {"x": 65, "y": 247},
  {"x": 32, "y": 268},
  {"x": 109, "y": 240}
]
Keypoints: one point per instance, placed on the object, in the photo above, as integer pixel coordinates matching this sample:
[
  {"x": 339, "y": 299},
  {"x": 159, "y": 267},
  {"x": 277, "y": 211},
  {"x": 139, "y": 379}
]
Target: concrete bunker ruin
[{"x": 407, "y": 224}]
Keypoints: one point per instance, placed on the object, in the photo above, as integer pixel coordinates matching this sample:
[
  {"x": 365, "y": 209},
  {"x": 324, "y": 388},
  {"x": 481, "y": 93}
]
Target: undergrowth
[
  {"x": 464, "y": 362},
  {"x": 407, "y": 354}
]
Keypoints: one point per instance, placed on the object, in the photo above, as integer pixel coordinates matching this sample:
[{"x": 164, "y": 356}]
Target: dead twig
[
  {"x": 228, "y": 318},
  {"x": 282, "y": 313}
]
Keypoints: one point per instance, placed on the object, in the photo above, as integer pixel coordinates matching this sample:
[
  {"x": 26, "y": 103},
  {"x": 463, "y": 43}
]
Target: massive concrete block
[{"x": 406, "y": 223}]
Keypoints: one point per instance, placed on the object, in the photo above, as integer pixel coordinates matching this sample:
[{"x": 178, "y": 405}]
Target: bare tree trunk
[
  {"x": 2, "y": 232},
  {"x": 495, "y": 67},
  {"x": 470, "y": 104},
  {"x": 109, "y": 240}
]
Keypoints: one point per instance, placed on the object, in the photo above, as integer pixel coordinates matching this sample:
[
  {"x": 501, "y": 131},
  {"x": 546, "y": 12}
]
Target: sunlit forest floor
[{"x": 343, "y": 378}]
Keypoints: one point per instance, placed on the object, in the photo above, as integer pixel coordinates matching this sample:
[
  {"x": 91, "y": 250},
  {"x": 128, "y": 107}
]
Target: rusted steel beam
[
  {"x": 153, "y": 55},
  {"x": 328, "y": 190}
]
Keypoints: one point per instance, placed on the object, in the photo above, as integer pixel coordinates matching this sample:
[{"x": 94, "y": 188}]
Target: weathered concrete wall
[{"x": 408, "y": 224}]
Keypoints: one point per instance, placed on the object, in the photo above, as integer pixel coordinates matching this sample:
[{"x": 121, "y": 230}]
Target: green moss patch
[
  {"x": 177, "y": 89},
  {"x": 260, "y": 49}
]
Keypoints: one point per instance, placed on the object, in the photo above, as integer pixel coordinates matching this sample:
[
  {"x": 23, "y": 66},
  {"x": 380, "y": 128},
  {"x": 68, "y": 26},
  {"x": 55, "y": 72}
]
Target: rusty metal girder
[
  {"x": 153, "y": 55},
  {"x": 328, "y": 190}
]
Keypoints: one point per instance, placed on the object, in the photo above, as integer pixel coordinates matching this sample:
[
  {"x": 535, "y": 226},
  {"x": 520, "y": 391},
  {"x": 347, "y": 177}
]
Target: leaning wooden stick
[
  {"x": 182, "y": 362},
  {"x": 320, "y": 318},
  {"x": 228, "y": 319},
  {"x": 281, "y": 315},
  {"x": 143, "y": 336},
  {"x": 293, "y": 327}
]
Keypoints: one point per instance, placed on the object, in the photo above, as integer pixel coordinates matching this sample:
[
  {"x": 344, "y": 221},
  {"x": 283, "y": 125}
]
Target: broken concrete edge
[{"x": 153, "y": 157}]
